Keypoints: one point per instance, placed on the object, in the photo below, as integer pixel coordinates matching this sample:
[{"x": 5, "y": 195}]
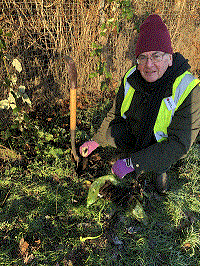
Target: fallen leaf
[
  {"x": 186, "y": 246},
  {"x": 24, "y": 249},
  {"x": 28, "y": 258},
  {"x": 157, "y": 11},
  {"x": 37, "y": 244},
  {"x": 23, "y": 246}
]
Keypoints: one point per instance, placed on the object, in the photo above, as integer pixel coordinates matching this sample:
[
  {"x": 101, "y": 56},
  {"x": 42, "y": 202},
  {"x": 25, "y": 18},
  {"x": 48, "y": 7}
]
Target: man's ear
[{"x": 170, "y": 59}]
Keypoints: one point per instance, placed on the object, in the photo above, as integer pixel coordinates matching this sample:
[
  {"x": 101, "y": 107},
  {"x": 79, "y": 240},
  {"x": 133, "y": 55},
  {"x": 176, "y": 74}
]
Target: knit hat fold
[{"x": 153, "y": 36}]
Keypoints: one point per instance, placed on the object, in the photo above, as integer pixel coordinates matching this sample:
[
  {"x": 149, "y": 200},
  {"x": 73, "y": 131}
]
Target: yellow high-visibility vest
[{"x": 182, "y": 86}]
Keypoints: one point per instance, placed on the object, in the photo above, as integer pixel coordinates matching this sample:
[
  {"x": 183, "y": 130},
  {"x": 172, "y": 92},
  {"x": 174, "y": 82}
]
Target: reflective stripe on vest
[
  {"x": 182, "y": 86},
  {"x": 128, "y": 93}
]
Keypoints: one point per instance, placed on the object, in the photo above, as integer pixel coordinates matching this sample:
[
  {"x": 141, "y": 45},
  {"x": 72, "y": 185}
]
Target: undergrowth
[{"x": 45, "y": 219}]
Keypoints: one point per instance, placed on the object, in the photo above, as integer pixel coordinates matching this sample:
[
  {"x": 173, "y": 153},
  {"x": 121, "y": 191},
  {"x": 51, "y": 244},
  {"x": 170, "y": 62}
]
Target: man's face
[{"x": 152, "y": 65}]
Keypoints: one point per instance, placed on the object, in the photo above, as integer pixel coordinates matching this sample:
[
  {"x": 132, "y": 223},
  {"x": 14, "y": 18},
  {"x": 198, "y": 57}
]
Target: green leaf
[
  {"x": 129, "y": 15},
  {"x": 95, "y": 45},
  {"x": 2, "y": 44},
  {"x": 96, "y": 185},
  {"x": 93, "y": 53},
  {"x": 7, "y": 82},
  {"x": 93, "y": 75},
  {"x": 49, "y": 137},
  {"x": 9, "y": 102},
  {"x": 56, "y": 153},
  {"x": 4, "y": 104},
  {"x": 115, "y": 25},
  {"x": 108, "y": 75},
  {"x": 104, "y": 86},
  {"x": 40, "y": 134},
  {"x": 26, "y": 118},
  {"x": 11, "y": 99},
  {"x": 21, "y": 89},
  {"x": 103, "y": 33},
  {"x": 103, "y": 26},
  {"x": 100, "y": 68},
  {"x": 7, "y": 134},
  {"x": 14, "y": 79},
  {"x": 15, "y": 125},
  {"x": 9, "y": 34},
  {"x": 111, "y": 20},
  {"x": 139, "y": 213},
  {"x": 16, "y": 110},
  {"x": 26, "y": 99},
  {"x": 17, "y": 65}
]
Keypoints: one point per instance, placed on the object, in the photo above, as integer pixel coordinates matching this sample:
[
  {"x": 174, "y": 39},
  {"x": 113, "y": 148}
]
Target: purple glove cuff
[
  {"x": 88, "y": 147},
  {"x": 122, "y": 167}
]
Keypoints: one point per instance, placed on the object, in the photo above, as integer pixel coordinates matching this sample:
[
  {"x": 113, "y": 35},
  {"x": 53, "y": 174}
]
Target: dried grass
[
  {"x": 7, "y": 154},
  {"x": 43, "y": 31}
]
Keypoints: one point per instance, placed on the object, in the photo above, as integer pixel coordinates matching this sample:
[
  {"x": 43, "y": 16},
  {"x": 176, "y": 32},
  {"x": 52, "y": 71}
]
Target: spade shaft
[{"x": 73, "y": 91}]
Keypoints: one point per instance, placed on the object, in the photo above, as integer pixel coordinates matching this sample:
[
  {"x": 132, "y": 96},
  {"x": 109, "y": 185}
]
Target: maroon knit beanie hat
[{"x": 153, "y": 36}]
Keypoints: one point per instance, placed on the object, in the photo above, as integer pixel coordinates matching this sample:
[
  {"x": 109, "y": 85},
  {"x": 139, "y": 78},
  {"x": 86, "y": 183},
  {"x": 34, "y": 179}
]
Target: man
[{"x": 155, "y": 117}]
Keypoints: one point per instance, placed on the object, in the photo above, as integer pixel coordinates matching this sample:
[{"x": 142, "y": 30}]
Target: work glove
[
  {"x": 88, "y": 147},
  {"x": 122, "y": 167}
]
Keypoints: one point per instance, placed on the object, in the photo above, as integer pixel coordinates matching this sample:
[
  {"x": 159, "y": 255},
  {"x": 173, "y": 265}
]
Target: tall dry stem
[{"x": 43, "y": 31}]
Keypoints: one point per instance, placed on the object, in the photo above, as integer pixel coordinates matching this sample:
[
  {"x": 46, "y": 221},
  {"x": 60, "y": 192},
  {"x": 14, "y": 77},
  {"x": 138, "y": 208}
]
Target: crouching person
[{"x": 155, "y": 117}]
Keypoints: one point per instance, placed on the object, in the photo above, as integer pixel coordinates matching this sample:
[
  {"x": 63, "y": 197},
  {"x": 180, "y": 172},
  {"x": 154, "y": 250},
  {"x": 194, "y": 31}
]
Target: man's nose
[{"x": 149, "y": 62}]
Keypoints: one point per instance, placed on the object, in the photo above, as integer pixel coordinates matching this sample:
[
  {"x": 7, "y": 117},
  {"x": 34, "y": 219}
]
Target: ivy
[{"x": 122, "y": 9}]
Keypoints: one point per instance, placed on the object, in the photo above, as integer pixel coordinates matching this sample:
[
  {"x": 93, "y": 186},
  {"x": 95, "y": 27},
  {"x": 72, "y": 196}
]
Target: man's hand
[
  {"x": 88, "y": 147},
  {"x": 122, "y": 167}
]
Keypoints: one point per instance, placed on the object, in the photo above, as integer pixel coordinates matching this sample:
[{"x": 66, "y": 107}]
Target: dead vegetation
[{"x": 44, "y": 31}]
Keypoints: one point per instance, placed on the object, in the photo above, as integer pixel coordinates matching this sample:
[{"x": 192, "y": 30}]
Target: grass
[{"x": 44, "y": 216}]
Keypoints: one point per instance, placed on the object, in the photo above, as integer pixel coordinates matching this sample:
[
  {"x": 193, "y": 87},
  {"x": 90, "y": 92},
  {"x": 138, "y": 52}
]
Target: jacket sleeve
[
  {"x": 103, "y": 135},
  {"x": 182, "y": 133}
]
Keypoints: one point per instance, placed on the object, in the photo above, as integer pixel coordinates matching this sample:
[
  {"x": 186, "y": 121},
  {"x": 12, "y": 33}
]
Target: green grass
[{"x": 43, "y": 212}]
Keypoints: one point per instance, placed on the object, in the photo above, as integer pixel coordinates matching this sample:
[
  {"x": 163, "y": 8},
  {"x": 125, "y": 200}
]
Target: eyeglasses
[{"x": 155, "y": 58}]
